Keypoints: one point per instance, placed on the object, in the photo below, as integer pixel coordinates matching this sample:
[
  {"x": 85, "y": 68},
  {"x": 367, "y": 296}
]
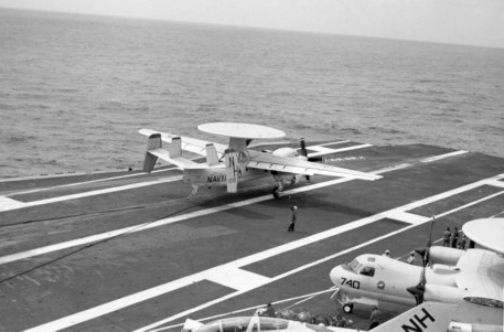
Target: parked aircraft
[
  {"x": 424, "y": 317},
  {"x": 226, "y": 165},
  {"x": 454, "y": 276}
]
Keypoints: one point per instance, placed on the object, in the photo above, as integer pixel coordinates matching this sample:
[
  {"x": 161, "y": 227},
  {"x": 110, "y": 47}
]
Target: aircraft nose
[{"x": 335, "y": 275}]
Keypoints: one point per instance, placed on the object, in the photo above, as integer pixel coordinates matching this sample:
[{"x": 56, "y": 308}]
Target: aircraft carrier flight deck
[{"x": 129, "y": 251}]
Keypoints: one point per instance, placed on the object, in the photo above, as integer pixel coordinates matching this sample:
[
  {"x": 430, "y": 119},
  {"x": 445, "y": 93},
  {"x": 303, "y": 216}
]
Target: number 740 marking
[{"x": 351, "y": 283}]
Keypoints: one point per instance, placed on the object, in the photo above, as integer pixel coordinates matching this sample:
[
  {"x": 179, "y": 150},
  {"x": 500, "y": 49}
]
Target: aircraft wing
[
  {"x": 481, "y": 274},
  {"x": 270, "y": 162},
  {"x": 193, "y": 145}
]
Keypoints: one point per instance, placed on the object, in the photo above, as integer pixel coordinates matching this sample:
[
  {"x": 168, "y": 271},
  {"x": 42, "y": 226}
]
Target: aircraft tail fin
[
  {"x": 211, "y": 155},
  {"x": 172, "y": 153},
  {"x": 153, "y": 143},
  {"x": 425, "y": 317}
]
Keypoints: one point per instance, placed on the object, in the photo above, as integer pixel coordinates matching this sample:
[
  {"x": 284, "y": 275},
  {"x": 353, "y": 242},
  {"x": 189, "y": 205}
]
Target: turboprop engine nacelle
[
  {"x": 443, "y": 294},
  {"x": 445, "y": 255}
]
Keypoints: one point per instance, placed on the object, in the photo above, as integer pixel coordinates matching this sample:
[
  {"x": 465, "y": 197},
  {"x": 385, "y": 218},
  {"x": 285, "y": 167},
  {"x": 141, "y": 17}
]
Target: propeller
[
  {"x": 418, "y": 291},
  {"x": 424, "y": 252}
]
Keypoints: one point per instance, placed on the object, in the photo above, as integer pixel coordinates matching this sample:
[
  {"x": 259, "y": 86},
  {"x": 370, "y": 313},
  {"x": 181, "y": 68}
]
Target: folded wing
[
  {"x": 270, "y": 162},
  {"x": 193, "y": 145}
]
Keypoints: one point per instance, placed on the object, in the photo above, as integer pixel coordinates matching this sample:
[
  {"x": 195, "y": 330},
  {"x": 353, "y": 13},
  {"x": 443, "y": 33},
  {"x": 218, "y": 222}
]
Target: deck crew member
[
  {"x": 446, "y": 237},
  {"x": 374, "y": 318},
  {"x": 454, "y": 238},
  {"x": 292, "y": 224}
]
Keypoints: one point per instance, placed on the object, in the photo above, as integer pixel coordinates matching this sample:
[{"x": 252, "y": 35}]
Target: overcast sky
[{"x": 470, "y": 22}]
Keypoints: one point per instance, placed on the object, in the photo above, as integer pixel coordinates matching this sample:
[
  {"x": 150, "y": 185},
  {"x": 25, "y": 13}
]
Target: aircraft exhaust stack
[{"x": 153, "y": 143}]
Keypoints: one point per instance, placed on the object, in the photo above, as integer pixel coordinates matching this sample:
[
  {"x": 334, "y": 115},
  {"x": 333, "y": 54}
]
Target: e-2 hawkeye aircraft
[
  {"x": 227, "y": 165},
  {"x": 427, "y": 317},
  {"x": 474, "y": 276}
]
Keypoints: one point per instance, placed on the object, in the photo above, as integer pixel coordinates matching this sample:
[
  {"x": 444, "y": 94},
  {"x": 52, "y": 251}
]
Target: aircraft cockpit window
[{"x": 367, "y": 271}]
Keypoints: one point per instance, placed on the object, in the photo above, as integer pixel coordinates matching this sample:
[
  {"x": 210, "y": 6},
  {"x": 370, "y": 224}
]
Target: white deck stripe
[
  {"x": 348, "y": 148},
  {"x": 238, "y": 279},
  {"x": 407, "y": 217},
  {"x": 91, "y": 193},
  {"x": 443, "y": 156},
  {"x": 73, "y": 184},
  {"x": 318, "y": 148},
  {"x": 121, "y": 303},
  {"x": 392, "y": 168},
  {"x": 7, "y": 203},
  {"x": 496, "y": 183}
]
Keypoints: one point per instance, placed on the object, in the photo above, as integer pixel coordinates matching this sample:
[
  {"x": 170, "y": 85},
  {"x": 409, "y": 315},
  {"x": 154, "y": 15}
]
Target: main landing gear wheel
[
  {"x": 276, "y": 193},
  {"x": 348, "y": 308}
]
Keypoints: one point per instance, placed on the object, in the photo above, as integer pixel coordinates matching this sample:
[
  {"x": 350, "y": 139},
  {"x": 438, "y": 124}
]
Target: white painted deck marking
[
  {"x": 129, "y": 300},
  {"x": 496, "y": 183},
  {"x": 407, "y": 217},
  {"x": 443, "y": 156},
  {"x": 74, "y": 184},
  {"x": 238, "y": 279},
  {"x": 7, "y": 203},
  {"x": 93, "y": 193},
  {"x": 324, "y": 151},
  {"x": 393, "y": 168},
  {"x": 319, "y": 148}
]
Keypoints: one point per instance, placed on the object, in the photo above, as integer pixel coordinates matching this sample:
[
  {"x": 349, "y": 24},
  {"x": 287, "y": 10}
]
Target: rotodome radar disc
[
  {"x": 487, "y": 232},
  {"x": 241, "y": 130}
]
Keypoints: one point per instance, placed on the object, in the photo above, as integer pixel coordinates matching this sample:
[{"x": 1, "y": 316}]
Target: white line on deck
[
  {"x": 237, "y": 278},
  {"x": 407, "y": 217},
  {"x": 73, "y": 184},
  {"x": 324, "y": 151},
  {"x": 90, "y": 193},
  {"x": 443, "y": 156},
  {"x": 129, "y": 300},
  {"x": 7, "y": 203},
  {"x": 496, "y": 183}
]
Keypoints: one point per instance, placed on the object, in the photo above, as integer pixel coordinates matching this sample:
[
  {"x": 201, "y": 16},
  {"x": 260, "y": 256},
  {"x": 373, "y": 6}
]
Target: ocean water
[{"x": 75, "y": 89}]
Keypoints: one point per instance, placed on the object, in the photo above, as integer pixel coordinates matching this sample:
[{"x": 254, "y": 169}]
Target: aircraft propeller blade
[
  {"x": 418, "y": 291},
  {"x": 424, "y": 252}
]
